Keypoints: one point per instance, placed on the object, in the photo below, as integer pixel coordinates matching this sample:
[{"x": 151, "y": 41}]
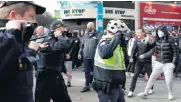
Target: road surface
[{"x": 160, "y": 90}]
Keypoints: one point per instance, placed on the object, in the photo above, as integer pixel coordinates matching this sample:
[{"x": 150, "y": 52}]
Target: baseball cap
[
  {"x": 56, "y": 24},
  {"x": 39, "y": 9}
]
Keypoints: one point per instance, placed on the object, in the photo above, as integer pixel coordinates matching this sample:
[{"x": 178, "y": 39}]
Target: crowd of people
[{"x": 107, "y": 58}]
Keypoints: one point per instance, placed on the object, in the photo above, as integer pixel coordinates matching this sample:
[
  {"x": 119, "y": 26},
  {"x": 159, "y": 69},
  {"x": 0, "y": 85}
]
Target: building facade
[
  {"x": 78, "y": 14},
  {"x": 135, "y": 14}
]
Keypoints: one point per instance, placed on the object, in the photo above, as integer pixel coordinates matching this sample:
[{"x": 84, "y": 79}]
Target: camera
[
  {"x": 27, "y": 31},
  {"x": 26, "y": 25}
]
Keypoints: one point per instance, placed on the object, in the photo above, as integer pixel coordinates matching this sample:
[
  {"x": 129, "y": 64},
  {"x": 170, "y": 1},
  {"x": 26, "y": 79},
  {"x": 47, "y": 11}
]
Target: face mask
[
  {"x": 160, "y": 34},
  {"x": 64, "y": 33},
  {"x": 89, "y": 29}
]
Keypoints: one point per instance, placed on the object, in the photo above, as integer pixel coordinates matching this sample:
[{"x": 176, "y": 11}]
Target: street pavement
[{"x": 160, "y": 90}]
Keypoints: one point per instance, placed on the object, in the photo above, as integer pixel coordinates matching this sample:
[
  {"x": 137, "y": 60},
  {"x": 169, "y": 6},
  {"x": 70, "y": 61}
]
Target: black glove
[{"x": 27, "y": 31}]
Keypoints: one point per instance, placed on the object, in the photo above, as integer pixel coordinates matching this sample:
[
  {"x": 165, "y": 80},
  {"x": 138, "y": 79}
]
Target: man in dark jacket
[
  {"x": 87, "y": 49},
  {"x": 69, "y": 53},
  {"x": 50, "y": 83},
  {"x": 75, "y": 61},
  {"x": 16, "y": 77},
  {"x": 165, "y": 60},
  {"x": 140, "y": 46}
]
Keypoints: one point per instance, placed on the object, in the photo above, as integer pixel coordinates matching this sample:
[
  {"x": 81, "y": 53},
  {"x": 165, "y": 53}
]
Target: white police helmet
[{"x": 117, "y": 25}]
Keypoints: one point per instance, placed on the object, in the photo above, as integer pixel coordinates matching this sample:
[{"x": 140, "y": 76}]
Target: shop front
[
  {"x": 78, "y": 14},
  {"x": 124, "y": 14},
  {"x": 157, "y": 14}
]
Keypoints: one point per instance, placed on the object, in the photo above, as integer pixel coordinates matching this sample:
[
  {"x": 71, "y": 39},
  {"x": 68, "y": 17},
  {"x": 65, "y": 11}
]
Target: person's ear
[{"x": 12, "y": 15}]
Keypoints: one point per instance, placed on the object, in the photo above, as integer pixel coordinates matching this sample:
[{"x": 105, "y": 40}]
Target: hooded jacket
[
  {"x": 72, "y": 48},
  {"x": 164, "y": 47}
]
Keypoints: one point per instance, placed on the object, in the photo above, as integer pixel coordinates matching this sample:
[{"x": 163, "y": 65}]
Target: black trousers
[
  {"x": 89, "y": 66},
  {"x": 124, "y": 82},
  {"x": 131, "y": 66},
  {"x": 138, "y": 69},
  {"x": 18, "y": 88},
  {"x": 177, "y": 69},
  {"x": 116, "y": 95},
  {"x": 51, "y": 85},
  {"x": 76, "y": 62}
]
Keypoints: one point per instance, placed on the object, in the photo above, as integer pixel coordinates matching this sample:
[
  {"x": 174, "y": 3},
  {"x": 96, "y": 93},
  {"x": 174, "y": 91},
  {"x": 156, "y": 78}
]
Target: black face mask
[
  {"x": 64, "y": 33},
  {"x": 89, "y": 29},
  {"x": 74, "y": 35}
]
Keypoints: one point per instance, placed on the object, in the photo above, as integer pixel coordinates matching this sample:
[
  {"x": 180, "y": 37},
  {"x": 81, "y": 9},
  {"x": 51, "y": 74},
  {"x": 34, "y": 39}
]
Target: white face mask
[{"x": 160, "y": 34}]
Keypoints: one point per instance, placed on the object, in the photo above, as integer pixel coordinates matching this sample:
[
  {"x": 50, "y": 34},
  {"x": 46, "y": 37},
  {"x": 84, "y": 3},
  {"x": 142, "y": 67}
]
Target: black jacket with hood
[
  {"x": 164, "y": 47},
  {"x": 72, "y": 47}
]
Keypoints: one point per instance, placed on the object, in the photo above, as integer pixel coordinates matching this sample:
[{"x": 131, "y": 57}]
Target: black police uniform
[
  {"x": 16, "y": 77},
  {"x": 108, "y": 83},
  {"x": 50, "y": 83}
]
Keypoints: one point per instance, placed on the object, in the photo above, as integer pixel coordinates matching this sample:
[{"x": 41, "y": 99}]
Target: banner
[
  {"x": 78, "y": 13},
  {"x": 57, "y": 14},
  {"x": 168, "y": 14},
  {"x": 100, "y": 16},
  {"x": 160, "y": 11},
  {"x": 119, "y": 13},
  {"x": 79, "y": 9}
]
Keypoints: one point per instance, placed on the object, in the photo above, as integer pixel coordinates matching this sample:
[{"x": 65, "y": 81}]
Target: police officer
[
  {"x": 109, "y": 70},
  {"x": 50, "y": 83},
  {"x": 16, "y": 76}
]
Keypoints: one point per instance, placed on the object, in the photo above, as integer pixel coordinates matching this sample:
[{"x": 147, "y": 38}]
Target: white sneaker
[
  {"x": 150, "y": 92},
  {"x": 130, "y": 94},
  {"x": 132, "y": 74},
  {"x": 170, "y": 97},
  {"x": 142, "y": 95}
]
